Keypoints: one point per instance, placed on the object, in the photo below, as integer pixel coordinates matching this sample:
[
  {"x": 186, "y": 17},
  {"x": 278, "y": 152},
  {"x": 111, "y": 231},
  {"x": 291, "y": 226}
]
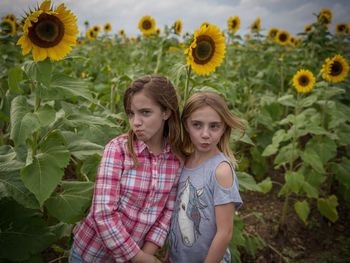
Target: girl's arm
[
  {"x": 224, "y": 215},
  {"x": 107, "y": 221},
  {"x": 224, "y": 222}
]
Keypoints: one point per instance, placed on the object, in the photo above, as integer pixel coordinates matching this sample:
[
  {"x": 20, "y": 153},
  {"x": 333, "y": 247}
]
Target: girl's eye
[
  {"x": 196, "y": 125},
  {"x": 146, "y": 113},
  {"x": 130, "y": 114},
  {"x": 215, "y": 126}
]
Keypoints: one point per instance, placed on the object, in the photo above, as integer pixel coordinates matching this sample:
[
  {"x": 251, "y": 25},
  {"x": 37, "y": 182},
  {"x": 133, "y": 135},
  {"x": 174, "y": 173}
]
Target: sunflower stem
[
  {"x": 188, "y": 69},
  {"x": 113, "y": 98},
  {"x": 291, "y": 162}
]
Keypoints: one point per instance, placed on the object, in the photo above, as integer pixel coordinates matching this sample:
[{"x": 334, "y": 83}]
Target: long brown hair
[
  {"x": 217, "y": 103},
  {"x": 162, "y": 91}
]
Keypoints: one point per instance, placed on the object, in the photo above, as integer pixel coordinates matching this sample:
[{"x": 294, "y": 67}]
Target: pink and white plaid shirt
[{"x": 130, "y": 206}]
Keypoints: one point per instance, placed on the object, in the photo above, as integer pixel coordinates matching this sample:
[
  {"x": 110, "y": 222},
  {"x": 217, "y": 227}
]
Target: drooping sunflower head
[
  {"x": 307, "y": 28},
  {"x": 255, "y": 26},
  {"x": 147, "y": 25},
  {"x": 48, "y": 32},
  {"x": 8, "y": 27},
  {"x": 335, "y": 69},
  {"x": 107, "y": 27},
  {"x": 272, "y": 33},
  {"x": 325, "y": 16},
  {"x": 342, "y": 29},
  {"x": 282, "y": 37},
  {"x": 233, "y": 24},
  {"x": 207, "y": 50},
  {"x": 178, "y": 27},
  {"x": 304, "y": 81}
]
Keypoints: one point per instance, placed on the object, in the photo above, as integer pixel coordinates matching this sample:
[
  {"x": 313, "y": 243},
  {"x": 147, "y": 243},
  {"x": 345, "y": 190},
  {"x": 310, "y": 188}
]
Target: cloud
[{"x": 290, "y": 15}]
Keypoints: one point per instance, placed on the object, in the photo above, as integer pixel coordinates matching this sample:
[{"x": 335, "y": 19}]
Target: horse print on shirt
[{"x": 188, "y": 216}]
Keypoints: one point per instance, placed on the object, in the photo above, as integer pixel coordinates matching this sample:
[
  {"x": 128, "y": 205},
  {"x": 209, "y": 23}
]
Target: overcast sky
[{"x": 291, "y": 15}]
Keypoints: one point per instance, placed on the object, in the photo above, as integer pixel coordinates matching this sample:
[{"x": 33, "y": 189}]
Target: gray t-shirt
[{"x": 193, "y": 225}]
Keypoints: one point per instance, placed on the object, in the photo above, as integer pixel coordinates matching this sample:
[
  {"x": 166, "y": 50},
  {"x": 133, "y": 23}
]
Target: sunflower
[
  {"x": 107, "y": 27},
  {"x": 325, "y": 16},
  {"x": 8, "y": 27},
  {"x": 255, "y": 26},
  {"x": 90, "y": 34},
  {"x": 335, "y": 69},
  {"x": 233, "y": 23},
  {"x": 121, "y": 33},
  {"x": 304, "y": 81},
  {"x": 207, "y": 50},
  {"x": 307, "y": 28},
  {"x": 341, "y": 29},
  {"x": 147, "y": 25},
  {"x": 11, "y": 17},
  {"x": 158, "y": 31},
  {"x": 178, "y": 27},
  {"x": 272, "y": 33},
  {"x": 282, "y": 37},
  {"x": 49, "y": 33},
  {"x": 293, "y": 41}
]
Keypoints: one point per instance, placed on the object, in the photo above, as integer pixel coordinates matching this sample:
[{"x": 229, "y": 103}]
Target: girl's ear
[{"x": 166, "y": 114}]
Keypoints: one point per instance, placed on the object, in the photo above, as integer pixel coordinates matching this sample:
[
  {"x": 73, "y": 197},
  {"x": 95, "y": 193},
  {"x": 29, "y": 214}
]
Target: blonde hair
[
  {"x": 162, "y": 91},
  {"x": 217, "y": 103}
]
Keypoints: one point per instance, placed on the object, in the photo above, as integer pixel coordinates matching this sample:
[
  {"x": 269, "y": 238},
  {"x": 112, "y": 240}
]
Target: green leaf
[
  {"x": 90, "y": 166},
  {"x": 287, "y": 100},
  {"x": 308, "y": 101},
  {"x": 63, "y": 86},
  {"x": 39, "y": 71},
  {"x": 15, "y": 76},
  {"x": 302, "y": 209},
  {"x": 70, "y": 204},
  {"x": 310, "y": 157},
  {"x": 310, "y": 191},
  {"x": 328, "y": 207},
  {"x": 286, "y": 154},
  {"x": 247, "y": 182},
  {"x": 12, "y": 186},
  {"x": 45, "y": 115},
  {"x": 23, "y": 232},
  {"x": 294, "y": 181},
  {"x": 342, "y": 172},
  {"x": 270, "y": 150},
  {"x": 23, "y": 121},
  {"x": 45, "y": 172},
  {"x": 265, "y": 185},
  {"x": 325, "y": 148}
]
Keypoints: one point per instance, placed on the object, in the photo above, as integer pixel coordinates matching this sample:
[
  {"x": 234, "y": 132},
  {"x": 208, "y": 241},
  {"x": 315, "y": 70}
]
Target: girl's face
[
  {"x": 147, "y": 119},
  {"x": 205, "y": 128}
]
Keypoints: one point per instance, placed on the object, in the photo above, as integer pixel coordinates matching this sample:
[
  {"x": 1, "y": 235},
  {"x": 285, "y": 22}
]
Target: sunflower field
[{"x": 61, "y": 102}]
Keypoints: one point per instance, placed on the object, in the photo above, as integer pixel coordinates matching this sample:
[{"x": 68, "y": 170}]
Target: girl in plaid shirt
[{"x": 137, "y": 179}]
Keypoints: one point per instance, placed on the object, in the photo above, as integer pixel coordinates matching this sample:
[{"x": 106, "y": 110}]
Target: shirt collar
[{"x": 140, "y": 146}]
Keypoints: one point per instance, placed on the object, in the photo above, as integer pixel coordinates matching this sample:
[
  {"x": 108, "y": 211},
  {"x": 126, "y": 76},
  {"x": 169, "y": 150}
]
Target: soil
[{"x": 319, "y": 241}]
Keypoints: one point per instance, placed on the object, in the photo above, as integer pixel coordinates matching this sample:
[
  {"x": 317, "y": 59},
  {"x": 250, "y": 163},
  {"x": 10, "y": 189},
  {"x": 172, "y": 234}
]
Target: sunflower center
[
  {"x": 146, "y": 25},
  {"x": 233, "y": 24},
  {"x": 336, "y": 68},
  {"x": 204, "y": 50},
  {"x": 342, "y": 28},
  {"x": 47, "y": 32},
  {"x": 303, "y": 80},
  {"x": 283, "y": 37}
]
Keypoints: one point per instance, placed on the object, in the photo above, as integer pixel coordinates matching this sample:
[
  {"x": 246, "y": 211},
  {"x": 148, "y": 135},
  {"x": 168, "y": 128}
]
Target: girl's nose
[
  {"x": 205, "y": 133},
  {"x": 136, "y": 121}
]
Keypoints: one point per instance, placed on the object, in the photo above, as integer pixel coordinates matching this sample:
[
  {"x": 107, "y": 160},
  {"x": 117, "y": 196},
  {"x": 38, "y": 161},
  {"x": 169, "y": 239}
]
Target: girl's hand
[{"x": 143, "y": 257}]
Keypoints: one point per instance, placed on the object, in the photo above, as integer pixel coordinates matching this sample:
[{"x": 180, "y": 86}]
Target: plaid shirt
[{"x": 130, "y": 205}]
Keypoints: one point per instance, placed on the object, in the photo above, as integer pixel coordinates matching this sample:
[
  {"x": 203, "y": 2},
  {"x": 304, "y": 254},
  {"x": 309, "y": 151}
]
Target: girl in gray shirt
[{"x": 207, "y": 197}]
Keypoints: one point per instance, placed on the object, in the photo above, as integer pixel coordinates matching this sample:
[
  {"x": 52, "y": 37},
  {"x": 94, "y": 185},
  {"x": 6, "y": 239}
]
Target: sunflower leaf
[{"x": 70, "y": 204}]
